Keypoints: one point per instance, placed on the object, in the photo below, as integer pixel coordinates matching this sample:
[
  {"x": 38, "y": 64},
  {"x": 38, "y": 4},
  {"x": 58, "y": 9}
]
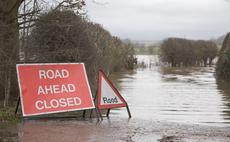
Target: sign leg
[
  {"x": 96, "y": 114},
  {"x": 99, "y": 113},
  {"x": 84, "y": 113},
  {"x": 91, "y": 111},
  {"x": 127, "y": 107},
  {"x": 94, "y": 99},
  {"x": 108, "y": 112},
  {"x": 16, "y": 110}
]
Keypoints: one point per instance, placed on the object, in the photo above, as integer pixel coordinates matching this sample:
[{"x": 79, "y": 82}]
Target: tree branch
[
  {"x": 27, "y": 14},
  {"x": 18, "y": 3},
  {"x": 32, "y": 20},
  {"x": 78, "y": 4}
]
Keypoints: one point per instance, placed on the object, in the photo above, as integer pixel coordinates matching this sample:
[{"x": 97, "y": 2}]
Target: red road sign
[
  {"x": 108, "y": 96},
  {"x": 53, "y": 87}
]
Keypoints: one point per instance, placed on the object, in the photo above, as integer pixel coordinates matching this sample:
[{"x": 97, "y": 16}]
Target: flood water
[
  {"x": 178, "y": 94},
  {"x": 157, "y": 97}
]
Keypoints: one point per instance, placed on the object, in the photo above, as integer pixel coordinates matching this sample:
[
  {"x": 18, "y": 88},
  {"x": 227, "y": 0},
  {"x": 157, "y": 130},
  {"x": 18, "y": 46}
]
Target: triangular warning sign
[{"x": 108, "y": 96}]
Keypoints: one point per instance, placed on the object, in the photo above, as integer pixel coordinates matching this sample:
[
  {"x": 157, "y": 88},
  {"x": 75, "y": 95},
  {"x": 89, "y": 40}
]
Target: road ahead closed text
[{"x": 53, "y": 88}]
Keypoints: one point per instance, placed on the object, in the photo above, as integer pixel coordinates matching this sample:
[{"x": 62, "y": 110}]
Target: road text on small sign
[{"x": 51, "y": 88}]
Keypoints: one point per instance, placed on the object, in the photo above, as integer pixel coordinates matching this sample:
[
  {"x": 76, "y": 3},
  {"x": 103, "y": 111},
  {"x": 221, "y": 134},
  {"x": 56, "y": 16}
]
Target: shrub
[
  {"x": 183, "y": 52},
  {"x": 223, "y": 63}
]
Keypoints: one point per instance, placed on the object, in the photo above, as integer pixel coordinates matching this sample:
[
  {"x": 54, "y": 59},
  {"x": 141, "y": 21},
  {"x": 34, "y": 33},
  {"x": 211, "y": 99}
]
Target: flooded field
[{"x": 175, "y": 94}]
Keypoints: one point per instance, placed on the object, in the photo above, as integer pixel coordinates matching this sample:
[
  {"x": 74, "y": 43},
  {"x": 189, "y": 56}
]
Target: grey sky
[{"x": 159, "y": 19}]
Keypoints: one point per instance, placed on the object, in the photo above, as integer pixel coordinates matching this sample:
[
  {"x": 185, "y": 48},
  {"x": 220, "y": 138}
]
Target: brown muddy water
[
  {"x": 175, "y": 94},
  {"x": 167, "y": 104}
]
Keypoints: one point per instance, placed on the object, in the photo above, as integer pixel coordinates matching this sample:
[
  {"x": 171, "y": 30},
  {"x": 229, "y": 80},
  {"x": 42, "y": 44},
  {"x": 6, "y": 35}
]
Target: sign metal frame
[{"x": 91, "y": 100}]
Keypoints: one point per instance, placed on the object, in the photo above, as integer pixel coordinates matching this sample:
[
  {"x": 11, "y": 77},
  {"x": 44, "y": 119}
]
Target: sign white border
[{"x": 28, "y": 64}]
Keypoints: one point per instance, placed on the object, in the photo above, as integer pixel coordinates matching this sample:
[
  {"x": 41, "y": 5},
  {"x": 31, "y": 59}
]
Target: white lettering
[
  {"x": 42, "y": 73},
  {"x": 40, "y": 90},
  {"x": 75, "y": 101},
  {"x": 57, "y": 74},
  {"x": 63, "y": 88},
  {"x": 46, "y": 105},
  {"x": 49, "y": 89},
  {"x": 51, "y": 74},
  {"x": 56, "y": 103},
  {"x": 71, "y": 89},
  {"x": 36, "y": 104},
  {"x": 63, "y": 73},
  {"x": 48, "y": 75},
  {"x": 51, "y": 103},
  {"x": 68, "y": 101},
  {"x": 56, "y": 90},
  {"x": 62, "y": 102}
]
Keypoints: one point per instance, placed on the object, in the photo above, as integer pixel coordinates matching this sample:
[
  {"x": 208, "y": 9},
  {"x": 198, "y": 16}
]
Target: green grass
[
  {"x": 7, "y": 115},
  {"x": 146, "y": 52},
  {"x": 146, "y": 42},
  {"x": 219, "y": 47}
]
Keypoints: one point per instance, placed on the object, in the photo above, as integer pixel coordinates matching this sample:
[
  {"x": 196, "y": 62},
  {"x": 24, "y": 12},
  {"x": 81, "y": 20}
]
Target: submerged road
[{"x": 114, "y": 129}]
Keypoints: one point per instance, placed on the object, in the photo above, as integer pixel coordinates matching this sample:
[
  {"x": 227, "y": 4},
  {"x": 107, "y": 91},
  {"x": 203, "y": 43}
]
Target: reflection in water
[
  {"x": 55, "y": 131},
  {"x": 178, "y": 94},
  {"x": 224, "y": 89},
  {"x": 72, "y": 130}
]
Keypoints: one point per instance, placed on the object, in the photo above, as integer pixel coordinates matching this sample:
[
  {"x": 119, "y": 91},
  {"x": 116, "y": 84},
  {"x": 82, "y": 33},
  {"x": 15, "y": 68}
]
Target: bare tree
[{"x": 11, "y": 20}]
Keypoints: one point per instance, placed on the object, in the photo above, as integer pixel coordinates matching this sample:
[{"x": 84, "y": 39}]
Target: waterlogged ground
[
  {"x": 167, "y": 104},
  {"x": 114, "y": 129}
]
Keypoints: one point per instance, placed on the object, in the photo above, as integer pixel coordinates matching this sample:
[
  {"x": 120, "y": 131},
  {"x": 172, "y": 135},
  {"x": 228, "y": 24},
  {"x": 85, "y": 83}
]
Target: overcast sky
[{"x": 159, "y": 19}]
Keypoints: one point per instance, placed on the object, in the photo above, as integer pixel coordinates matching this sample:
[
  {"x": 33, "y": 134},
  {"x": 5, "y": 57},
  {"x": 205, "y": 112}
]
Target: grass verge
[{"x": 7, "y": 115}]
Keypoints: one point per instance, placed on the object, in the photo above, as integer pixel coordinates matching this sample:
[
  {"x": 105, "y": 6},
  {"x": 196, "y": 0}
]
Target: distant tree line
[
  {"x": 218, "y": 40},
  {"x": 142, "y": 48},
  {"x": 223, "y": 63},
  {"x": 184, "y": 52}
]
